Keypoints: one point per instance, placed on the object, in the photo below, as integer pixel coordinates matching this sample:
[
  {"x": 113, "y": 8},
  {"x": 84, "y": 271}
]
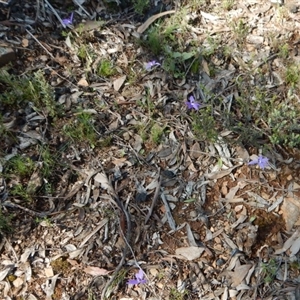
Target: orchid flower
[
  {"x": 261, "y": 161},
  {"x": 192, "y": 104},
  {"x": 68, "y": 21},
  {"x": 151, "y": 64},
  {"x": 139, "y": 278}
]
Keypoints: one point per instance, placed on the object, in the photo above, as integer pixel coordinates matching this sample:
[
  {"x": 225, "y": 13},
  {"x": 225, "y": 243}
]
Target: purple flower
[
  {"x": 68, "y": 21},
  {"x": 152, "y": 64},
  {"x": 192, "y": 104},
  {"x": 139, "y": 278},
  {"x": 261, "y": 161}
]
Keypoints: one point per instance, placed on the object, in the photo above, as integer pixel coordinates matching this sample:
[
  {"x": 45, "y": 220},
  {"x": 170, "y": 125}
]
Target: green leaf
[
  {"x": 176, "y": 54},
  {"x": 187, "y": 55}
]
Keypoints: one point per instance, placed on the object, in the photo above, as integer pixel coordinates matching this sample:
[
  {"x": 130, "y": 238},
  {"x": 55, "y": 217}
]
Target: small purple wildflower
[
  {"x": 139, "y": 278},
  {"x": 151, "y": 64},
  {"x": 261, "y": 161},
  {"x": 192, "y": 104},
  {"x": 68, "y": 21}
]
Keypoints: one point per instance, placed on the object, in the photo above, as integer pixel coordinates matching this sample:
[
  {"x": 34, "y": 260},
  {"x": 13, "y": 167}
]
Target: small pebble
[
  {"x": 193, "y": 214},
  {"x": 220, "y": 262}
]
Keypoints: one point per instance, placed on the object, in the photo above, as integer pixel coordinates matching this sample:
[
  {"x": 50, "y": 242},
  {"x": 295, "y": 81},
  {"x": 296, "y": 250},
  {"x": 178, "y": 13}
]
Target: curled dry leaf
[
  {"x": 103, "y": 180},
  {"x": 295, "y": 247},
  {"x": 220, "y": 174},
  {"x": 190, "y": 236},
  {"x": 49, "y": 286},
  {"x": 152, "y": 19},
  {"x": 289, "y": 242},
  {"x": 5, "y": 271}
]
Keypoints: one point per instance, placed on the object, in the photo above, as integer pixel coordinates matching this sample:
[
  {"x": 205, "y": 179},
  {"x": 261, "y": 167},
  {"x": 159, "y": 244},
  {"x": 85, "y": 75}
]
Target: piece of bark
[{"x": 7, "y": 55}]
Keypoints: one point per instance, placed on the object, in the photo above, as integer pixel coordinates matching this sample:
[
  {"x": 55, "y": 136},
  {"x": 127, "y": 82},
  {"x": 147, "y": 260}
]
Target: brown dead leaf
[
  {"x": 35, "y": 181},
  {"x": 291, "y": 212},
  {"x": 195, "y": 150},
  {"x": 239, "y": 274},
  {"x": 83, "y": 82},
  {"x": 189, "y": 253},
  {"x": 96, "y": 271},
  {"x": 18, "y": 282},
  {"x": 120, "y": 161},
  {"x": 119, "y": 82},
  {"x": 61, "y": 59},
  {"x": 49, "y": 272},
  {"x": 73, "y": 262}
]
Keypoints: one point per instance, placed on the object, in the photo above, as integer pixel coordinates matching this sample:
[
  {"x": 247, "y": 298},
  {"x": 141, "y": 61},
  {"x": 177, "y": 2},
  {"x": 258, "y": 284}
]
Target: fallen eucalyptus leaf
[
  {"x": 189, "y": 253},
  {"x": 95, "y": 271}
]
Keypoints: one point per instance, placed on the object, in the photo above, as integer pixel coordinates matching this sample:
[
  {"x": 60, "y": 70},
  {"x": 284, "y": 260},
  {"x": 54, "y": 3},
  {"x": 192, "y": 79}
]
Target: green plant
[
  {"x": 105, "y": 142},
  {"x": 21, "y": 166},
  {"x": 167, "y": 36},
  {"x": 44, "y": 220},
  {"x": 283, "y": 51},
  {"x": 177, "y": 295},
  {"x": 20, "y": 191},
  {"x": 147, "y": 103},
  {"x": 142, "y": 130},
  {"x": 204, "y": 125},
  {"x": 5, "y": 223},
  {"x": 269, "y": 270},
  {"x": 228, "y": 4},
  {"x": 140, "y": 6},
  {"x": 240, "y": 29},
  {"x": 295, "y": 265},
  {"x": 120, "y": 277},
  {"x": 155, "y": 41},
  {"x": 284, "y": 123},
  {"x": 43, "y": 95},
  {"x": 91, "y": 295},
  {"x": 106, "y": 68},
  {"x": 197, "y": 4},
  {"x": 48, "y": 160},
  {"x": 156, "y": 133},
  {"x": 82, "y": 52},
  {"x": 247, "y": 135},
  {"x": 292, "y": 75},
  {"x": 210, "y": 46},
  {"x": 175, "y": 62},
  {"x": 19, "y": 91},
  {"x": 82, "y": 129},
  {"x": 190, "y": 200}
]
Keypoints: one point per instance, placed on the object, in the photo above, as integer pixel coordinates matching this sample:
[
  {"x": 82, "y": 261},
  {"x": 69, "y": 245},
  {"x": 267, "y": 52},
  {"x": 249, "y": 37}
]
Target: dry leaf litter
[{"x": 202, "y": 219}]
